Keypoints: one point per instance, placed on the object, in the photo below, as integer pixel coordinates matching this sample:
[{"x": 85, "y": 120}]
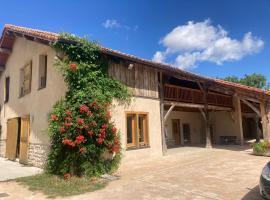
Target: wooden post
[
  {"x": 257, "y": 129},
  {"x": 264, "y": 121},
  {"x": 208, "y": 142},
  {"x": 161, "y": 96},
  {"x": 238, "y": 112}
]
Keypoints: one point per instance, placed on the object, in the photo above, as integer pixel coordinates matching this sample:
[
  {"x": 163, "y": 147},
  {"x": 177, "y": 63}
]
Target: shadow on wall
[{"x": 253, "y": 194}]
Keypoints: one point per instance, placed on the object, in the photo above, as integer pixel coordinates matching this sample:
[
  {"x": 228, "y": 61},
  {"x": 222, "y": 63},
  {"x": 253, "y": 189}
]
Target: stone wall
[
  {"x": 37, "y": 154},
  {"x": 2, "y": 148}
]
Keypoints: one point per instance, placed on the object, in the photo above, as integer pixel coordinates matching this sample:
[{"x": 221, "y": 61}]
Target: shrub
[
  {"x": 80, "y": 126},
  {"x": 261, "y": 147}
]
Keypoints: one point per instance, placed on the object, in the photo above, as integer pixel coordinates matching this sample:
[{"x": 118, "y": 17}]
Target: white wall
[
  {"x": 139, "y": 104},
  {"x": 39, "y": 102},
  {"x": 224, "y": 125},
  {"x": 194, "y": 119}
]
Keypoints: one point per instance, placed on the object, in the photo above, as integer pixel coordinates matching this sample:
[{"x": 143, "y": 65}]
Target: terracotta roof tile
[
  {"x": 32, "y": 32},
  {"x": 50, "y": 36}
]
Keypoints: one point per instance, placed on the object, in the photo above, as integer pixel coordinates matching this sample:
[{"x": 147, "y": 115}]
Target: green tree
[
  {"x": 253, "y": 80},
  {"x": 233, "y": 79}
]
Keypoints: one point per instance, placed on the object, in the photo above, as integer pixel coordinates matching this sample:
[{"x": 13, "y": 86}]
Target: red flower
[
  {"x": 67, "y": 176},
  {"x": 83, "y": 108},
  {"x": 108, "y": 115},
  {"x": 62, "y": 130},
  {"x": 114, "y": 130},
  {"x": 99, "y": 140},
  {"x": 86, "y": 126},
  {"x": 79, "y": 139},
  {"x": 94, "y": 103},
  {"x": 68, "y": 112},
  {"x": 68, "y": 124},
  {"x": 68, "y": 142},
  {"x": 116, "y": 142},
  {"x": 93, "y": 123},
  {"x": 115, "y": 148},
  {"x": 54, "y": 117},
  {"x": 73, "y": 66},
  {"x": 68, "y": 118},
  {"x": 90, "y": 133},
  {"x": 82, "y": 150},
  {"x": 104, "y": 126},
  {"x": 80, "y": 121}
]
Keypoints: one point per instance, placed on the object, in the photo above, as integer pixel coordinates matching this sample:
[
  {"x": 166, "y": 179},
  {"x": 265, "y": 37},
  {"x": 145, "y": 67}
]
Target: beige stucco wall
[
  {"x": 224, "y": 124},
  {"x": 139, "y": 104},
  {"x": 39, "y": 102},
  {"x": 194, "y": 119}
]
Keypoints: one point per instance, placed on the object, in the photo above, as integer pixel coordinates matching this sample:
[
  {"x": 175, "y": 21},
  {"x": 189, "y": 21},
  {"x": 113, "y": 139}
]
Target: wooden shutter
[
  {"x": 12, "y": 137},
  {"x": 24, "y": 140}
]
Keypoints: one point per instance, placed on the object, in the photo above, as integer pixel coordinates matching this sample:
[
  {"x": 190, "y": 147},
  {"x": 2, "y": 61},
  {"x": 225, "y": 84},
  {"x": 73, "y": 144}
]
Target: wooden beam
[
  {"x": 238, "y": 113},
  {"x": 5, "y": 50},
  {"x": 168, "y": 112},
  {"x": 191, "y": 105},
  {"x": 256, "y": 110},
  {"x": 161, "y": 96},
  {"x": 249, "y": 99},
  {"x": 203, "y": 113}
]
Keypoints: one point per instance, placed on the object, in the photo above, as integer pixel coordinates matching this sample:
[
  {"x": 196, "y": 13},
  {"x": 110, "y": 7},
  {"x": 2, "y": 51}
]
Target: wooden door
[
  {"x": 176, "y": 131},
  {"x": 24, "y": 140},
  {"x": 12, "y": 138}
]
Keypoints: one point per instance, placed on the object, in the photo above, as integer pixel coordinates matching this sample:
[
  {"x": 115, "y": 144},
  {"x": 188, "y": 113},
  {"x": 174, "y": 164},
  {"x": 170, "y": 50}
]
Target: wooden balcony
[{"x": 188, "y": 95}]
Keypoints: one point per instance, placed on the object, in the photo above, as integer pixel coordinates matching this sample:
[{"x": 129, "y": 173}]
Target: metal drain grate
[{"x": 3, "y": 195}]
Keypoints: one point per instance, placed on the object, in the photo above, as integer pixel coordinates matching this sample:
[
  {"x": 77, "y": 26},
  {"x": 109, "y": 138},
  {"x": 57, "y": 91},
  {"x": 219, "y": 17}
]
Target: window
[
  {"x": 42, "y": 71},
  {"x": 137, "y": 130},
  {"x": 186, "y": 132},
  {"x": 7, "y": 84},
  {"x": 26, "y": 76}
]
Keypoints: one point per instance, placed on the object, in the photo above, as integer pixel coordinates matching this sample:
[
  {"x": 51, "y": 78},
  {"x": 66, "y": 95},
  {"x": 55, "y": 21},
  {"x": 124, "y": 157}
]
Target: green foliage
[
  {"x": 253, "y": 80},
  {"x": 80, "y": 128},
  {"x": 260, "y": 147}
]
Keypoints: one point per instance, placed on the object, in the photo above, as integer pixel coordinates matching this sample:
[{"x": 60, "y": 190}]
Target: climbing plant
[{"x": 81, "y": 131}]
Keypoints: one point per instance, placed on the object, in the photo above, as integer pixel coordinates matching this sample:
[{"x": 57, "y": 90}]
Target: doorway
[
  {"x": 18, "y": 130},
  {"x": 176, "y": 131}
]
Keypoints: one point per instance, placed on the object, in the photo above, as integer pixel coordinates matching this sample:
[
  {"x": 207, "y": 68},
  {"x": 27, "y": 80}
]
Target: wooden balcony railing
[{"x": 188, "y": 95}]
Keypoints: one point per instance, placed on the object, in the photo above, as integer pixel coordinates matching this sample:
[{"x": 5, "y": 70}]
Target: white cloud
[
  {"x": 111, "y": 23},
  {"x": 201, "y": 41},
  {"x": 159, "y": 57}
]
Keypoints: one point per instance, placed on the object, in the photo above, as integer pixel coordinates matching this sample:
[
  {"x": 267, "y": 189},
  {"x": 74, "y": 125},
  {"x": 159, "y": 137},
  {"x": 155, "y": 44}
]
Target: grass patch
[{"x": 54, "y": 186}]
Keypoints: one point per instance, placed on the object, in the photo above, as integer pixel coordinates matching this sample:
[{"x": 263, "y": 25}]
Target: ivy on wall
[{"x": 84, "y": 140}]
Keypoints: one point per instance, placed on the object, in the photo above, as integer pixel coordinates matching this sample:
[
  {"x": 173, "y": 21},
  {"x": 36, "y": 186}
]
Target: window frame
[
  {"x": 136, "y": 144},
  {"x": 22, "y": 80},
  {"x": 40, "y": 86},
  {"x": 7, "y": 89}
]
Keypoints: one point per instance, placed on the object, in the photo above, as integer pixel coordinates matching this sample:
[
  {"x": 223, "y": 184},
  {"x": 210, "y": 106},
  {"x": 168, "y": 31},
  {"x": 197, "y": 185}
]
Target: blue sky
[{"x": 238, "y": 44}]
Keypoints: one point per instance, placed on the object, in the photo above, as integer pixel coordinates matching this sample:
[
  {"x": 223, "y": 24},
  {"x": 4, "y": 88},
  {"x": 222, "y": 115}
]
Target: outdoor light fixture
[{"x": 130, "y": 66}]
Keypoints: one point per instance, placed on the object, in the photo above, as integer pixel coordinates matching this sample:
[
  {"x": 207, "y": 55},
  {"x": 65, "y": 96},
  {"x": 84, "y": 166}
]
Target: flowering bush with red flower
[{"x": 80, "y": 125}]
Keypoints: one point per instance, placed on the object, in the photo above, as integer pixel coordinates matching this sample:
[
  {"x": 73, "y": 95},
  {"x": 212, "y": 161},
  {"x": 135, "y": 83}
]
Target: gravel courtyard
[{"x": 186, "y": 173}]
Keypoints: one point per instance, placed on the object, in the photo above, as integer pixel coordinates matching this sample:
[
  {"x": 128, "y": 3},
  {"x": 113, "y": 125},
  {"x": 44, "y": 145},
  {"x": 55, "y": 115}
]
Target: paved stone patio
[
  {"x": 11, "y": 170},
  {"x": 186, "y": 173}
]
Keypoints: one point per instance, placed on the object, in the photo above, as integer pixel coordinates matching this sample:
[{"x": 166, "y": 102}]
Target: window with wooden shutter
[
  {"x": 26, "y": 78},
  {"x": 7, "y": 86},
  {"x": 42, "y": 71},
  {"x": 137, "y": 130}
]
